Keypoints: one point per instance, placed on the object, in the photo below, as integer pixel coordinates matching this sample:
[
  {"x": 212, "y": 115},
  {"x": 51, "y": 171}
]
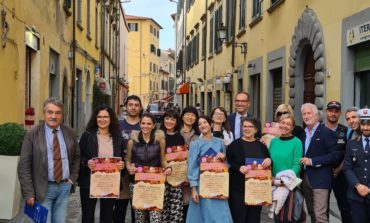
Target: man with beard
[
  {"x": 357, "y": 170},
  {"x": 353, "y": 123},
  {"x": 340, "y": 185},
  {"x": 132, "y": 122}
]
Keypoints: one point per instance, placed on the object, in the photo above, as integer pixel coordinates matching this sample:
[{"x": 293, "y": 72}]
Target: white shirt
[{"x": 237, "y": 124}]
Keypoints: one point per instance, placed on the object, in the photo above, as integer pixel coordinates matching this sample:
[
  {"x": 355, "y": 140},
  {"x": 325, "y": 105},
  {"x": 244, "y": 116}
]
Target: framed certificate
[
  {"x": 176, "y": 157},
  {"x": 214, "y": 178},
  {"x": 258, "y": 190},
  {"x": 105, "y": 178},
  {"x": 149, "y": 189}
]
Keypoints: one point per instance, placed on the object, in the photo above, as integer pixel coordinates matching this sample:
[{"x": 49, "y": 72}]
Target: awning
[
  {"x": 183, "y": 88},
  {"x": 164, "y": 100}
]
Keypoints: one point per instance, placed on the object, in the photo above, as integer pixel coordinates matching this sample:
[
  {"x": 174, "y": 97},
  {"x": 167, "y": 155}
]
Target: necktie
[
  {"x": 58, "y": 168},
  {"x": 367, "y": 146}
]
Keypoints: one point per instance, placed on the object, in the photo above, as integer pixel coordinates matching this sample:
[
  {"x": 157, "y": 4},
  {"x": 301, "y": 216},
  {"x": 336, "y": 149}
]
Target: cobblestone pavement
[{"x": 74, "y": 212}]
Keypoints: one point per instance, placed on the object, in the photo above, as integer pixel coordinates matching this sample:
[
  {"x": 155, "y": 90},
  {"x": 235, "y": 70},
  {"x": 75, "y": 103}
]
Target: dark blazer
[
  {"x": 231, "y": 119},
  {"x": 33, "y": 164},
  {"x": 89, "y": 150},
  {"x": 324, "y": 153},
  {"x": 356, "y": 168}
]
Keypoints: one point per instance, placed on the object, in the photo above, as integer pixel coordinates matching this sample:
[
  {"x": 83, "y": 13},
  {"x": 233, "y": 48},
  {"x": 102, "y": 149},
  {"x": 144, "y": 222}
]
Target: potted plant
[{"x": 11, "y": 138}]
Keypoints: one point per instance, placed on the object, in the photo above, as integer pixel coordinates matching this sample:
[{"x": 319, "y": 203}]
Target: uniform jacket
[
  {"x": 33, "y": 164},
  {"x": 89, "y": 149},
  {"x": 356, "y": 168},
  {"x": 231, "y": 119},
  {"x": 324, "y": 153}
]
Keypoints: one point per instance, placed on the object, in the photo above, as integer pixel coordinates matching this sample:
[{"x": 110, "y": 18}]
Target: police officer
[
  {"x": 340, "y": 185},
  {"x": 357, "y": 171}
]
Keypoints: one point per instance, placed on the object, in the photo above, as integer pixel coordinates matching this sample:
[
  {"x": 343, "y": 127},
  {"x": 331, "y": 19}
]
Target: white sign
[{"x": 358, "y": 34}]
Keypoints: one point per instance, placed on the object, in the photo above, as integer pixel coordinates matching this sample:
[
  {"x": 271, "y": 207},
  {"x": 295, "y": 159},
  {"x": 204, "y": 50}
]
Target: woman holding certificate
[
  {"x": 202, "y": 210},
  {"x": 245, "y": 147},
  {"x": 176, "y": 155},
  {"x": 102, "y": 139},
  {"x": 145, "y": 149}
]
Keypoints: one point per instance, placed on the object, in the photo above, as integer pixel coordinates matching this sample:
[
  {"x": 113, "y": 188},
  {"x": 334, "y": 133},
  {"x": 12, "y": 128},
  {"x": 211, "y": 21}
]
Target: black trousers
[
  {"x": 360, "y": 211},
  {"x": 340, "y": 186},
  {"x": 120, "y": 209},
  {"x": 242, "y": 213},
  {"x": 88, "y": 207}
]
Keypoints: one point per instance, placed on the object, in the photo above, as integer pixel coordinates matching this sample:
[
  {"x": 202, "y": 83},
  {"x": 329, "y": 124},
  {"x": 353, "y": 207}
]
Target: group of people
[{"x": 326, "y": 156}]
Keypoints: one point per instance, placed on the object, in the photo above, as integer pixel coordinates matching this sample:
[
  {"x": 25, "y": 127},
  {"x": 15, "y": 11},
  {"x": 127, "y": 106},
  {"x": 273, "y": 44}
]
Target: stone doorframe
[{"x": 308, "y": 31}]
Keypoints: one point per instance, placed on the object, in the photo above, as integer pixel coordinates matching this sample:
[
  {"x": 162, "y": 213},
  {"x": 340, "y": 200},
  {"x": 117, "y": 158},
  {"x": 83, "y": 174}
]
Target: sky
[{"x": 160, "y": 11}]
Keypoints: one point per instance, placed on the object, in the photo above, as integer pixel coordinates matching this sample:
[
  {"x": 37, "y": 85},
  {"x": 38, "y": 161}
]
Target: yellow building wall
[
  {"x": 273, "y": 32},
  {"x": 49, "y": 20}
]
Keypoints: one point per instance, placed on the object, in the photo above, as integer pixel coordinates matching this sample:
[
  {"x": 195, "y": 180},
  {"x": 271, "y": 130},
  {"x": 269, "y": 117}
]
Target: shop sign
[{"x": 358, "y": 34}]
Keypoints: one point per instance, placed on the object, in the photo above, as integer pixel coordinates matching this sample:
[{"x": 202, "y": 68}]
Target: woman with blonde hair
[{"x": 286, "y": 109}]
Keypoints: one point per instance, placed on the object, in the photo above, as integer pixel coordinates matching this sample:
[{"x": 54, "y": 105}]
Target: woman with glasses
[
  {"x": 173, "y": 199},
  {"x": 221, "y": 128},
  {"x": 245, "y": 147},
  {"x": 285, "y": 109},
  {"x": 102, "y": 138},
  {"x": 190, "y": 132},
  {"x": 205, "y": 210},
  {"x": 146, "y": 148}
]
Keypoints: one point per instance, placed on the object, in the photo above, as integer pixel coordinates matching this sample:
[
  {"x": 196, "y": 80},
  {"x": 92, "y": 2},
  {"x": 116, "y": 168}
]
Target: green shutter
[{"x": 362, "y": 62}]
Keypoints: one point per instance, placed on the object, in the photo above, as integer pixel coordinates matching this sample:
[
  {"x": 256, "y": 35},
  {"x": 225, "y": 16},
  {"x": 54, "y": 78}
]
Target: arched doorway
[{"x": 307, "y": 65}]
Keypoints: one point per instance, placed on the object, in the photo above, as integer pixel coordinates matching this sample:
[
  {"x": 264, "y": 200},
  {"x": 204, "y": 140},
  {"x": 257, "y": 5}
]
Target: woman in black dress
[{"x": 245, "y": 147}]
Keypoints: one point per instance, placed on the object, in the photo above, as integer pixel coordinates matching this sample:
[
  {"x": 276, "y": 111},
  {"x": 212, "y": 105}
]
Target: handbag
[{"x": 293, "y": 210}]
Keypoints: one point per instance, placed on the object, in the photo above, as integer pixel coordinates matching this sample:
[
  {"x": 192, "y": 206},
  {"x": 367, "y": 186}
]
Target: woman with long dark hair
[
  {"x": 173, "y": 200},
  {"x": 102, "y": 138},
  {"x": 146, "y": 148}
]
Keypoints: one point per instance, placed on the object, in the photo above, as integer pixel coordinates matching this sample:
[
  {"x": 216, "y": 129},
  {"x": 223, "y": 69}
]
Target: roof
[{"x": 134, "y": 17}]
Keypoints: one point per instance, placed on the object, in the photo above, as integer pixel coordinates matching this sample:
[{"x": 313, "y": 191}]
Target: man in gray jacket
[{"x": 49, "y": 162}]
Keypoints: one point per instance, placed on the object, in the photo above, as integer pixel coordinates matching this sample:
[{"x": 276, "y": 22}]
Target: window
[
  {"x": 96, "y": 24},
  {"x": 151, "y": 29},
  {"x": 159, "y": 52},
  {"x": 79, "y": 8},
  {"x": 133, "y": 27},
  {"x": 256, "y": 8},
  {"x": 152, "y": 48},
  {"x": 242, "y": 10},
  {"x": 150, "y": 67},
  {"x": 230, "y": 15},
  {"x": 218, "y": 21},
  {"x": 255, "y": 94},
  {"x": 196, "y": 48},
  {"x": 158, "y": 34},
  {"x": 88, "y": 16},
  {"x": 211, "y": 34},
  {"x": 204, "y": 40},
  {"x": 362, "y": 90}
]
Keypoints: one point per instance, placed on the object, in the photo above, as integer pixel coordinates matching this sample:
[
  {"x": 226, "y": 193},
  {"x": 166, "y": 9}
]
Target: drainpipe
[
  {"x": 233, "y": 39},
  {"x": 73, "y": 82}
]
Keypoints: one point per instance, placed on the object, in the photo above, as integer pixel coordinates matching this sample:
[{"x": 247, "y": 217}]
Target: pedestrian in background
[
  {"x": 173, "y": 199},
  {"x": 102, "y": 138},
  {"x": 357, "y": 170},
  {"x": 205, "y": 210},
  {"x": 245, "y": 147},
  {"x": 320, "y": 156},
  {"x": 49, "y": 162}
]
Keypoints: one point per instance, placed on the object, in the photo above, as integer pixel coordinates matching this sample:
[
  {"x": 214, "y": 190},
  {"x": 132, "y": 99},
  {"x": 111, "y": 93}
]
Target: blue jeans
[{"x": 56, "y": 201}]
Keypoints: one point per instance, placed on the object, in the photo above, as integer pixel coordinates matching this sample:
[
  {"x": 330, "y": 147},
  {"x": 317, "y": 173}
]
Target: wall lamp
[{"x": 221, "y": 33}]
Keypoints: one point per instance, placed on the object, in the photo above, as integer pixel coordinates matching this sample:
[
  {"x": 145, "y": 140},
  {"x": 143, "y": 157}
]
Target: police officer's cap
[
  {"x": 364, "y": 115},
  {"x": 334, "y": 105}
]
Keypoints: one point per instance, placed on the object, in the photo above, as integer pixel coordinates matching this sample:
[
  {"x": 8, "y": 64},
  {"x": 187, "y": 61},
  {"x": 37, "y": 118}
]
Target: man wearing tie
[
  {"x": 357, "y": 170},
  {"x": 242, "y": 104},
  {"x": 321, "y": 154},
  {"x": 49, "y": 163}
]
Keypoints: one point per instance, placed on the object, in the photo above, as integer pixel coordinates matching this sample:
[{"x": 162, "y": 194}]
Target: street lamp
[{"x": 221, "y": 33}]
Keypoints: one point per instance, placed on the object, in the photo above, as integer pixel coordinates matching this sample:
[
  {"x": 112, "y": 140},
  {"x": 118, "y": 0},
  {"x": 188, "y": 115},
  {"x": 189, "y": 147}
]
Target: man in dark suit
[
  {"x": 321, "y": 154},
  {"x": 357, "y": 171},
  {"x": 49, "y": 162},
  {"x": 242, "y": 104}
]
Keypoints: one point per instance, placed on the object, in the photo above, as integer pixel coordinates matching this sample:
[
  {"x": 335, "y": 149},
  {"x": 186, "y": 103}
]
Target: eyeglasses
[
  {"x": 219, "y": 113},
  {"x": 241, "y": 101},
  {"x": 103, "y": 117},
  {"x": 282, "y": 113}
]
